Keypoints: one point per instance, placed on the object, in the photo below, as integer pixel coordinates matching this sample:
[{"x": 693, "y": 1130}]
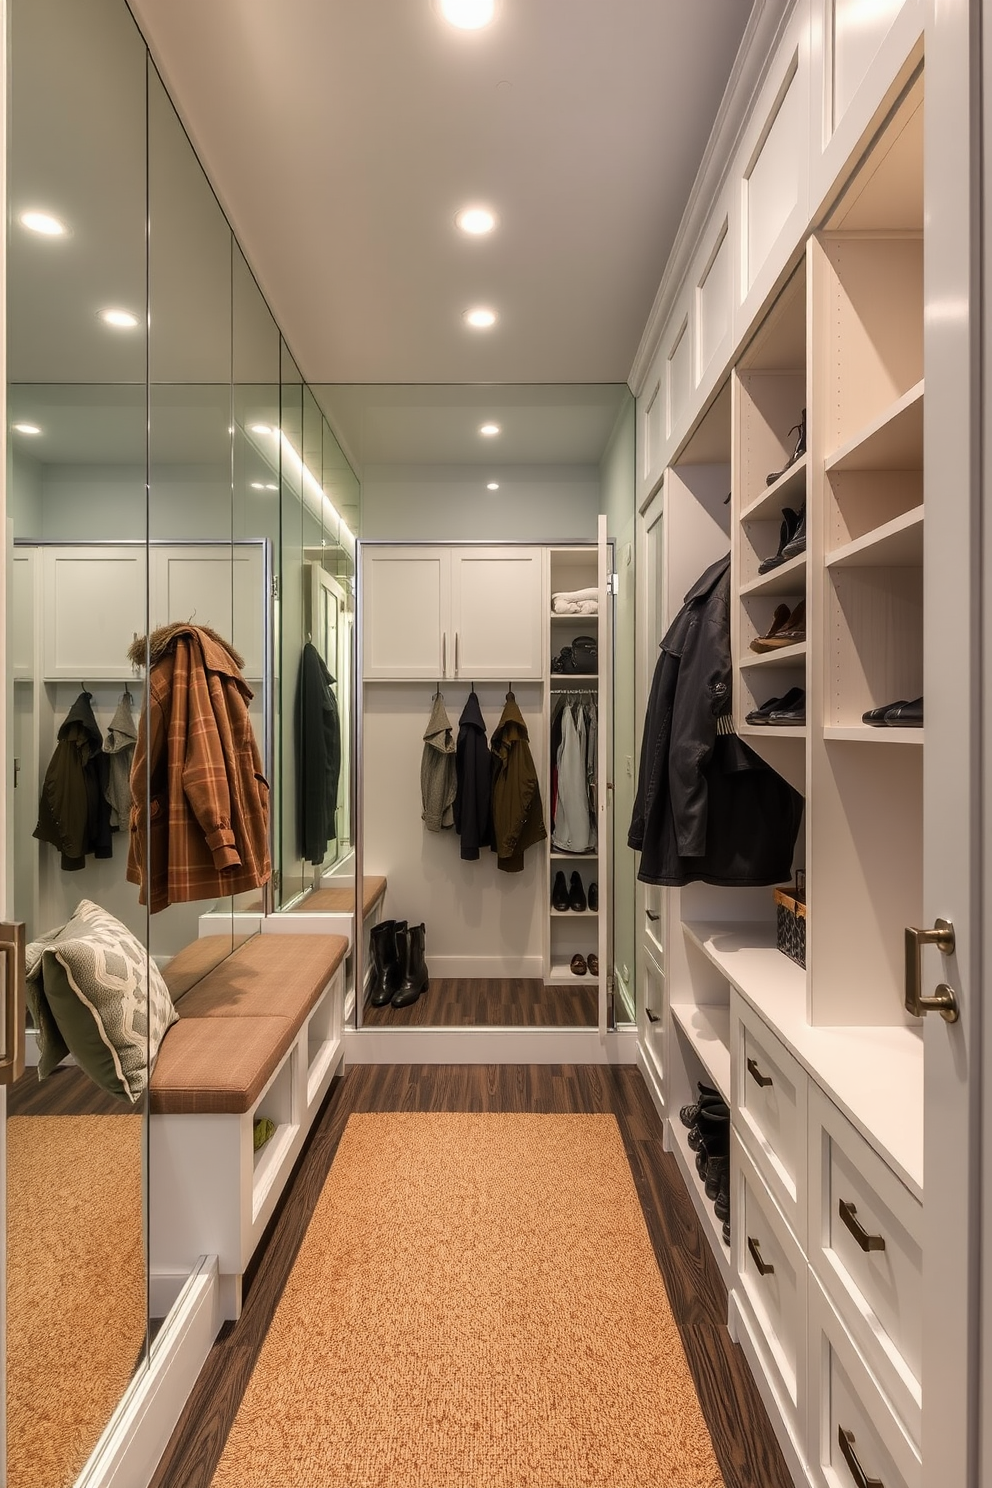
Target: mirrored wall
[{"x": 169, "y": 476}]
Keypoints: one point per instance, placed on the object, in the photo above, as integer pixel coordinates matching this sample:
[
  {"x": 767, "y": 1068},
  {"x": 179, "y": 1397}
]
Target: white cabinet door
[
  {"x": 497, "y": 613},
  {"x": 406, "y": 614},
  {"x": 23, "y": 628},
  {"x": 214, "y": 585},
  {"x": 94, "y": 606}
]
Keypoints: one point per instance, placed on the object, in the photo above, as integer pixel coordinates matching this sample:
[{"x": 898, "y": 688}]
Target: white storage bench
[{"x": 259, "y": 1036}]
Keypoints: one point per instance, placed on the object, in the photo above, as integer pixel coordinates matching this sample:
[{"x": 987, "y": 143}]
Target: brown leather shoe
[
  {"x": 578, "y": 965},
  {"x": 786, "y": 629},
  {"x": 593, "y": 964}
]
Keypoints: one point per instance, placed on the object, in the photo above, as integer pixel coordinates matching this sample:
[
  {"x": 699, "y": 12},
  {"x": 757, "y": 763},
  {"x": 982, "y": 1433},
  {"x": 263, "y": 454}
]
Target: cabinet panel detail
[
  {"x": 679, "y": 376},
  {"x": 496, "y": 613},
  {"x": 405, "y": 612},
  {"x": 714, "y": 302},
  {"x": 770, "y": 1096},
  {"x": 94, "y": 602},
  {"x": 858, "y": 31},
  {"x": 772, "y": 179}
]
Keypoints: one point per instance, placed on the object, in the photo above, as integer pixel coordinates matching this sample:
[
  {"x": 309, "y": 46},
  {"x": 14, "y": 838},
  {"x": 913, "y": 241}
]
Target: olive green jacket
[{"x": 518, "y": 817}]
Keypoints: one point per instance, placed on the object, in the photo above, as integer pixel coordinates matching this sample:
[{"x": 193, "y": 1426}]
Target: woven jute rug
[
  {"x": 475, "y": 1304},
  {"x": 76, "y": 1289}
]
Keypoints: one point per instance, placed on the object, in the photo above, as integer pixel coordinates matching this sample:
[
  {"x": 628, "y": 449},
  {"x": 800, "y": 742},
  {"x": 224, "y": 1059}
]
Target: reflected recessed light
[
  {"x": 271, "y": 488},
  {"x": 480, "y": 318},
  {"x": 467, "y": 15},
  {"x": 476, "y": 221},
  {"x": 260, "y": 429},
  {"x": 27, "y": 428},
  {"x": 257, "y": 486},
  {"x": 123, "y": 320},
  {"x": 44, "y": 223},
  {"x": 493, "y": 486},
  {"x": 489, "y": 430}
]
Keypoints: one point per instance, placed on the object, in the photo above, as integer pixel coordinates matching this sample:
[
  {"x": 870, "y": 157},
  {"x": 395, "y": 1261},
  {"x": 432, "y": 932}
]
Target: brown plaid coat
[{"x": 200, "y": 804}]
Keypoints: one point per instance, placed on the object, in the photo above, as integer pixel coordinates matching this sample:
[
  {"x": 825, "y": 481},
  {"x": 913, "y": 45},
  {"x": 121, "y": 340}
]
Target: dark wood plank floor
[
  {"x": 496, "y": 1002},
  {"x": 66, "y": 1092},
  {"x": 748, "y": 1454}
]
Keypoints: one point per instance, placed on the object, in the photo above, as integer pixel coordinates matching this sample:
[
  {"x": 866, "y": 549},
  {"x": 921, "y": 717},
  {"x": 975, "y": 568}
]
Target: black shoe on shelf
[
  {"x": 721, "y": 1204},
  {"x": 594, "y": 896},
  {"x": 800, "y": 431},
  {"x": 905, "y": 715},
  {"x": 576, "y": 894},
  {"x": 797, "y": 542},
  {"x": 381, "y": 951},
  {"x": 559, "y": 892},
  {"x": 792, "y": 714},
  {"x": 393, "y": 953},
  {"x": 717, "y": 1174},
  {"x": 775, "y": 704},
  {"x": 790, "y": 524},
  {"x": 415, "y": 978},
  {"x": 688, "y": 1114},
  {"x": 726, "y": 1232}
]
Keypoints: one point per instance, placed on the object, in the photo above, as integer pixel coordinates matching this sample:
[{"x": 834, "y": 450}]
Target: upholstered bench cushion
[
  {"x": 193, "y": 962},
  {"x": 342, "y": 900},
  {"x": 213, "y": 1066},
  {"x": 269, "y": 976}
]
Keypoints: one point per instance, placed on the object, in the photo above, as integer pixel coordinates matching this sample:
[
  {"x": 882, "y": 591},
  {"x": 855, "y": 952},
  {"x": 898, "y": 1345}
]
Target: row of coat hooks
[
  {"x": 437, "y": 689},
  {"x": 127, "y": 691}
]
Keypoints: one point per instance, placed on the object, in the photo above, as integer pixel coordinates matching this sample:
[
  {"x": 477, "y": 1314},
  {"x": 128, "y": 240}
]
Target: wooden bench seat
[{"x": 342, "y": 900}]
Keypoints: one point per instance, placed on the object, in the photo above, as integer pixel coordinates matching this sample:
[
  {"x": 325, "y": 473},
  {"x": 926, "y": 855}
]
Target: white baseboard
[
  {"x": 485, "y": 966},
  {"x": 489, "y": 1046},
  {"x": 652, "y": 1078},
  {"x": 740, "y": 1330},
  {"x": 131, "y": 1447}
]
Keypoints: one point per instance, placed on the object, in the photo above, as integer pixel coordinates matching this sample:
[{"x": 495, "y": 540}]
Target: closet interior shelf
[
  {"x": 576, "y": 619},
  {"x": 788, "y": 578},
  {"x": 570, "y": 857},
  {"x": 785, "y": 656},
  {"x": 574, "y": 914},
  {"x": 863, "y": 734},
  {"x": 686, "y": 1160},
  {"x": 769, "y": 504},
  {"x": 896, "y": 544},
  {"x": 892, "y": 441},
  {"x": 707, "y": 1028},
  {"x": 562, "y": 975}
]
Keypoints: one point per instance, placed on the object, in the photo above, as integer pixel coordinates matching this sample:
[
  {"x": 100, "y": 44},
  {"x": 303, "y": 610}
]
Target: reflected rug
[
  {"x": 76, "y": 1296},
  {"x": 475, "y": 1304}
]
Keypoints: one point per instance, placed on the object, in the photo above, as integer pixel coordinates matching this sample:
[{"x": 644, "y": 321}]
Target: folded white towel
[
  {"x": 572, "y": 596},
  {"x": 577, "y": 607}
]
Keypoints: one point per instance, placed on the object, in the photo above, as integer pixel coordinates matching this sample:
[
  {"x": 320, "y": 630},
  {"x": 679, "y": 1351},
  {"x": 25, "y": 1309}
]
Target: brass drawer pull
[
  {"x": 764, "y": 1269},
  {"x": 861, "y": 1478},
  {"x": 756, "y": 1075},
  {"x": 654, "y": 918},
  {"x": 652, "y": 1017},
  {"x": 848, "y": 1214},
  {"x": 944, "y": 1000}
]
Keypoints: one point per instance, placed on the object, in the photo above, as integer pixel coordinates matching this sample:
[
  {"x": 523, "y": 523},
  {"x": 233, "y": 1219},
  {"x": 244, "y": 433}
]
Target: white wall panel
[
  {"x": 774, "y": 174},
  {"x": 714, "y": 302},
  {"x": 857, "y": 30},
  {"x": 679, "y": 376}
]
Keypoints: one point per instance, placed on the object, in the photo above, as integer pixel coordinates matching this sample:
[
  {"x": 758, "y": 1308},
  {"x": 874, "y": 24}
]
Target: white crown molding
[{"x": 765, "y": 28}]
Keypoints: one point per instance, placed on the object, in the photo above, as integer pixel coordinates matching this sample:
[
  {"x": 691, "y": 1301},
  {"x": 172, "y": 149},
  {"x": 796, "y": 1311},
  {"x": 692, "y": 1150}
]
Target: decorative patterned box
[{"x": 790, "y": 920}]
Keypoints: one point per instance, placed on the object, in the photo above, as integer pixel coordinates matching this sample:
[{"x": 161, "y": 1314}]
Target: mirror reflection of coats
[
  {"x": 74, "y": 813},
  {"x": 473, "y": 774},
  {"x": 437, "y": 770},
  {"x": 206, "y": 833},
  {"x": 318, "y": 736},
  {"x": 518, "y": 816}
]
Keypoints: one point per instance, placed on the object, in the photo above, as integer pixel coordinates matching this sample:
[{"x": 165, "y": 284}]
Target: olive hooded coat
[{"x": 518, "y": 816}]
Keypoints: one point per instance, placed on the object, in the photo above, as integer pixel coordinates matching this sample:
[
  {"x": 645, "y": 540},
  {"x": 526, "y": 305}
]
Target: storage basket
[{"x": 790, "y": 920}]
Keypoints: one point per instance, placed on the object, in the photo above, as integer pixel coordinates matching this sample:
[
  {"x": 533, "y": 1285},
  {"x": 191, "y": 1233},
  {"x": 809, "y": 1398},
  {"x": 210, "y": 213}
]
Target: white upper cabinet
[
  {"x": 94, "y": 606},
  {"x": 214, "y": 585},
  {"x": 436, "y": 613}
]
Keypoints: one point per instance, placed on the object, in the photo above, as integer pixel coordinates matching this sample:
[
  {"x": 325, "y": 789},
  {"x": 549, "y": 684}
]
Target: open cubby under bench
[{"x": 260, "y": 1036}]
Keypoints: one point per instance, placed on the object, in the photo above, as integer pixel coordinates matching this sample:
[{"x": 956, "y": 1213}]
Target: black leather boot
[
  {"x": 382, "y": 949},
  {"x": 395, "y": 969},
  {"x": 416, "y": 979},
  {"x": 559, "y": 892}
]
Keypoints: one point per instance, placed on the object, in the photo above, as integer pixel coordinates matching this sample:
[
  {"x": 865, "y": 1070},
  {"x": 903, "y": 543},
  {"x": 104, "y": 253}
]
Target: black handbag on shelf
[{"x": 580, "y": 659}]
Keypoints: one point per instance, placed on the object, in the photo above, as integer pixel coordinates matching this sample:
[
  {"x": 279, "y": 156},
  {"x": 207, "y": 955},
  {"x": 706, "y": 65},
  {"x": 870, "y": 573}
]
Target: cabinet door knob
[
  {"x": 764, "y": 1269},
  {"x": 848, "y": 1214},
  {"x": 861, "y": 1478},
  {"x": 944, "y": 1000},
  {"x": 756, "y": 1075}
]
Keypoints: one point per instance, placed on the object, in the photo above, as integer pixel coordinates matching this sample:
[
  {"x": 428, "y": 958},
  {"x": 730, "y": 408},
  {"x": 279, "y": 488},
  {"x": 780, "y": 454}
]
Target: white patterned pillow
[{"x": 107, "y": 997}]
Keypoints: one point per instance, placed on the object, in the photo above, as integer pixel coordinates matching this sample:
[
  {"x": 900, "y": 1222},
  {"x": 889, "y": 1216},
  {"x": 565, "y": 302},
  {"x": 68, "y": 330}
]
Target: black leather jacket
[{"x": 707, "y": 807}]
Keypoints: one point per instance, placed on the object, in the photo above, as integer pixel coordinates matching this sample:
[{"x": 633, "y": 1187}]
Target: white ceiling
[{"x": 342, "y": 137}]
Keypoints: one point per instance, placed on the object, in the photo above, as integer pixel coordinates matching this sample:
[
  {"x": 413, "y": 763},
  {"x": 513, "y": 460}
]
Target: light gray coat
[
  {"x": 438, "y": 781},
  {"x": 119, "y": 742}
]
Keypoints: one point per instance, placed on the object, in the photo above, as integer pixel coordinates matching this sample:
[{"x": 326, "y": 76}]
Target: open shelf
[
  {"x": 574, "y": 914},
  {"x": 863, "y": 733},
  {"x": 584, "y": 618},
  {"x": 772, "y": 731},
  {"x": 773, "y": 498},
  {"x": 892, "y": 441},
  {"x": 875, "y": 1074},
  {"x": 561, "y": 975},
  {"x": 785, "y": 656},
  {"x": 712, "y": 1227},
  {"x": 707, "y": 1027},
  {"x": 569, "y": 857},
  {"x": 896, "y": 544},
  {"x": 788, "y": 578}
]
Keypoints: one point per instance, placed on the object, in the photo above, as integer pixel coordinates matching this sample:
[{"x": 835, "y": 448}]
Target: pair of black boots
[
  {"x": 399, "y": 970},
  {"x": 708, "y": 1120}
]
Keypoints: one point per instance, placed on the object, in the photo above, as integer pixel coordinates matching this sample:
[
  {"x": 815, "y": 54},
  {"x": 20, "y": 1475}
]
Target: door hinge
[
  {"x": 613, "y": 584},
  {"x": 275, "y": 586},
  {"x": 17, "y": 771}
]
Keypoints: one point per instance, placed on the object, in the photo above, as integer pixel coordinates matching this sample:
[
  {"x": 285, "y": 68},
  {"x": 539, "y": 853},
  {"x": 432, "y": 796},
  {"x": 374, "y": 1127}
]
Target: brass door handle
[
  {"x": 444, "y": 653},
  {"x": 756, "y": 1075},
  {"x": 764, "y": 1269},
  {"x": 848, "y": 1214},
  {"x": 12, "y": 945},
  {"x": 456, "y": 653},
  {"x": 861, "y": 1478},
  {"x": 944, "y": 1000}
]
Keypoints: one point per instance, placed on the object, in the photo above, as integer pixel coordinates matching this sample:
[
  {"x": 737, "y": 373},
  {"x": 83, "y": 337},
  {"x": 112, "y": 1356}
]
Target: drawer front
[
  {"x": 654, "y": 1010},
  {"x": 865, "y": 1246},
  {"x": 771, "y": 1274},
  {"x": 854, "y": 1433},
  {"x": 769, "y": 1103},
  {"x": 654, "y": 923}
]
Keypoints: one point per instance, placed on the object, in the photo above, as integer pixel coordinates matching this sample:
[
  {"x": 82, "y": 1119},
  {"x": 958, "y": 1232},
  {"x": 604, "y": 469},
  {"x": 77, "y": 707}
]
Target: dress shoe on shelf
[
  {"x": 776, "y": 704},
  {"x": 790, "y": 525},
  {"x": 875, "y": 717},
  {"x": 797, "y": 542},
  {"x": 559, "y": 893},
  {"x": 577, "y": 965},
  {"x": 416, "y": 979},
  {"x": 707, "y": 1094},
  {"x": 788, "y": 717},
  {"x": 726, "y": 1232},
  {"x": 721, "y": 1204},
  {"x": 594, "y": 897},
  {"x": 787, "y": 629},
  {"x": 393, "y": 953},
  {"x": 716, "y": 1108},
  {"x": 576, "y": 894},
  {"x": 800, "y": 449},
  {"x": 593, "y": 964},
  {"x": 717, "y": 1174},
  {"x": 905, "y": 715}
]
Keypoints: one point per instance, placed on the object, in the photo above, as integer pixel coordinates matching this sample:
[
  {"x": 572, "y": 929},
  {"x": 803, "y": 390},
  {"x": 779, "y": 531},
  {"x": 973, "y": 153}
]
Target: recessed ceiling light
[
  {"x": 467, "y": 15},
  {"x": 489, "y": 430},
  {"x": 475, "y": 220},
  {"x": 480, "y": 318},
  {"x": 44, "y": 223},
  {"x": 27, "y": 428},
  {"x": 493, "y": 486},
  {"x": 123, "y": 320}
]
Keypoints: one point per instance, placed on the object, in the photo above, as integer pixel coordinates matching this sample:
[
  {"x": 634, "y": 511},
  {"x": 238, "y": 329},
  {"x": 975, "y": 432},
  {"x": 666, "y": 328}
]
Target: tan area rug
[
  {"x": 76, "y": 1303},
  {"x": 475, "y": 1304}
]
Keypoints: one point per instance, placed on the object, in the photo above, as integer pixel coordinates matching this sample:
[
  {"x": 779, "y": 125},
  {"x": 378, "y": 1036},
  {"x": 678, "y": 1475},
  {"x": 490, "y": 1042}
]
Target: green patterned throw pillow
[{"x": 107, "y": 999}]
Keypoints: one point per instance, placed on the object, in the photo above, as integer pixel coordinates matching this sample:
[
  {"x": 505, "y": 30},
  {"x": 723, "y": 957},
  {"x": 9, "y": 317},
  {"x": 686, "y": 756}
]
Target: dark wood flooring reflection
[
  {"x": 66, "y": 1092},
  {"x": 748, "y": 1454},
  {"x": 494, "y": 1002}
]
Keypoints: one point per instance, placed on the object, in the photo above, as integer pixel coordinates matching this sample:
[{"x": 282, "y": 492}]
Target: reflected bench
[{"x": 259, "y": 1036}]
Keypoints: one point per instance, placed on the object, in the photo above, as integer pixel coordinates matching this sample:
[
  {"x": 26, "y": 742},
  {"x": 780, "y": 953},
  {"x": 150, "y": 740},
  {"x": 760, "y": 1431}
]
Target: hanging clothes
[
  {"x": 473, "y": 774},
  {"x": 518, "y": 817},
  {"x": 437, "y": 770},
  {"x": 557, "y": 715},
  {"x": 707, "y": 807},
  {"x": 206, "y": 834},
  {"x": 573, "y": 829},
  {"x": 318, "y": 749},
  {"x": 592, "y": 763},
  {"x": 74, "y": 813},
  {"x": 122, "y": 736}
]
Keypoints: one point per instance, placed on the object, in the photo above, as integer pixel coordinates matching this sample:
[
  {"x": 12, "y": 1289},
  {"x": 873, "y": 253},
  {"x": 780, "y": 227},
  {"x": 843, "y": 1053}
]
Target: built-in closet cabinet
[
  {"x": 93, "y": 607},
  {"x": 433, "y": 613}
]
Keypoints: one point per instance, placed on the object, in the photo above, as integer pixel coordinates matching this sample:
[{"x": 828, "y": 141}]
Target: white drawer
[
  {"x": 865, "y": 1232},
  {"x": 653, "y": 984},
  {"x": 654, "y": 924},
  {"x": 846, "y": 1401},
  {"x": 769, "y": 1105},
  {"x": 771, "y": 1279}
]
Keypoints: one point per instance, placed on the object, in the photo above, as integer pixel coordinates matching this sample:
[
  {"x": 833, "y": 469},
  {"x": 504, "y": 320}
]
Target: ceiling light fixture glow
[
  {"x": 467, "y": 15},
  {"x": 43, "y": 223},
  {"x": 493, "y": 486},
  {"x": 480, "y": 319},
  {"x": 260, "y": 429},
  {"x": 121, "y": 320},
  {"x": 258, "y": 486},
  {"x": 27, "y": 428},
  {"x": 475, "y": 221},
  {"x": 489, "y": 431}
]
